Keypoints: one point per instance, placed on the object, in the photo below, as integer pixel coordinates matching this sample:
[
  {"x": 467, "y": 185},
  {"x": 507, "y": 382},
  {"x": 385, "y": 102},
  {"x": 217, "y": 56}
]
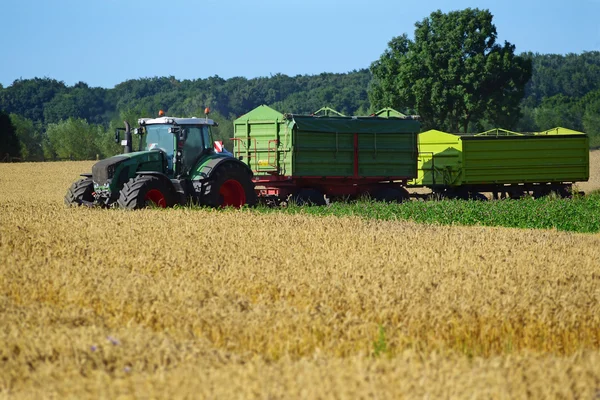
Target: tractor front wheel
[
  {"x": 143, "y": 191},
  {"x": 231, "y": 186},
  {"x": 80, "y": 192}
]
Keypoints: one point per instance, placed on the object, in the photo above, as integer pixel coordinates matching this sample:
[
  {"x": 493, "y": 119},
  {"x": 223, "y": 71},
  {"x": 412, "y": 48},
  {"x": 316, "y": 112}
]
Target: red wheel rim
[
  {"x": 156, "y": 197},
  {"x": 232, "y": 193}
]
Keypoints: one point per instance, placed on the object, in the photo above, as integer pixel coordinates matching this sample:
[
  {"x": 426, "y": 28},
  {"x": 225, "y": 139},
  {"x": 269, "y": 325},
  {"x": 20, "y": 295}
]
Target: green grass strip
[{"x": 579, "y": 214}]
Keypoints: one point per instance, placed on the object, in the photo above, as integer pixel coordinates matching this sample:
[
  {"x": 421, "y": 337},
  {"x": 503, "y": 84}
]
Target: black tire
[
  {"x": 146, "y": 190},
  {"x": 541, "y": 191},
  {"x": 230, "y": 186},
  {"x": 309, "y": 197},
  {"x": 391, "y": 195},
  {"x": 478, "y": 196},
  {"x": 80, "y": 192}
]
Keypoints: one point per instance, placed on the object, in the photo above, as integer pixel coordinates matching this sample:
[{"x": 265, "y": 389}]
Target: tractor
[{"x": 175, "y": 164}]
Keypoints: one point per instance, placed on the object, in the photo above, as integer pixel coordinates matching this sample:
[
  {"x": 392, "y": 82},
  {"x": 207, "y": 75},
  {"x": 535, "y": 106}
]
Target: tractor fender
[
  {"x": 159, "y": 175},
  {"x": 206, "y": 170}
]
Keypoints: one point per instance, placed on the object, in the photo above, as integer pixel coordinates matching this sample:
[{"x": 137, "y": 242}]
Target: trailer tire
[
  {"x": 478, "y": 196},
  {"x": 309, "y": 197},
  {"x": 391, "y": 195}
]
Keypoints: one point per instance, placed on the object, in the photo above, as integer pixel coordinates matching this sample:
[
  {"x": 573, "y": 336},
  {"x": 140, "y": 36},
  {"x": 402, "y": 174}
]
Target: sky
[{"x": 105, "y": 42}]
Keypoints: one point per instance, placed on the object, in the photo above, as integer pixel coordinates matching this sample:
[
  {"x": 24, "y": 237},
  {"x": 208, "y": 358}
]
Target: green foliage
[
  {"x": 9, "y": 141},
  {"x": 75, "y": 139},
  {"x": 579, "y": 214},
  {"x": 30, "y": 138},
  {"x": 380, "y": 345},
  {"x": 453, "y": 74},
  {"x": 79, "y": 102},
  {"x": 572, "y": 75},
  {"x": 564, "y": 90},
  {"x": 559, "y": 110},
  {"x": 591, "y": 118},
  {"x": 224, "y": 131},
  {"x": 27, "y": 97}
]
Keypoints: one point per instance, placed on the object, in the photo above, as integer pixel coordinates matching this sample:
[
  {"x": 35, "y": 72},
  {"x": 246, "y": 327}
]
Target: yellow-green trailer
[{"x": 502, "y": 161}]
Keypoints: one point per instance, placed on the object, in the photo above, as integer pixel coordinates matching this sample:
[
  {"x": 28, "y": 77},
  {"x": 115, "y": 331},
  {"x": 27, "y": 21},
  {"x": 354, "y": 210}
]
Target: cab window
[{"x": 193, "y": 146}]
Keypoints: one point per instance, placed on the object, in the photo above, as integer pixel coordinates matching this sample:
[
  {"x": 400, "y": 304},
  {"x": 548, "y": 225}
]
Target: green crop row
[{"x": 579, "y": 214}]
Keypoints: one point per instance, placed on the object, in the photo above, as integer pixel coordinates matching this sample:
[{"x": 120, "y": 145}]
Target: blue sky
[{"x": 104, "y": 42}]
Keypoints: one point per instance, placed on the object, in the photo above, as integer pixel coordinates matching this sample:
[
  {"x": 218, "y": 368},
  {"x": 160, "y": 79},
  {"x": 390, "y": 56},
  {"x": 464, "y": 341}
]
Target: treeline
[
  {"x": 45, "y": 112},
  {"x": 54, "y": 121},
  {"x": 563, "y": 91}
]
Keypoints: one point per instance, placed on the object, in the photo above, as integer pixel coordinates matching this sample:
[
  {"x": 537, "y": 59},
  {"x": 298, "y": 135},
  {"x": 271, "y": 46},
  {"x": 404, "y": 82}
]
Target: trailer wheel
[
  {"x": 540, "y": 192},
  {"x": 391, "y": 195},
  {"x": 478, "y": 196},
  {"x": 565, "y": 191},
  {"x": 309, "y": 197},
  {"x": 80, "y": 192}
]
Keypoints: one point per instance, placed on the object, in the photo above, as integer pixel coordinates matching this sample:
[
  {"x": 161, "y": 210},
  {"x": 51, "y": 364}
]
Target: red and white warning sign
[{"x": 218, "y": 146}]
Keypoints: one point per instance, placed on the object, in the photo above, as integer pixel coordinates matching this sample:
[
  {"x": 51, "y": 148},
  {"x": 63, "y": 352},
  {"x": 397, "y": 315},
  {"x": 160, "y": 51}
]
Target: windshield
[{"x": 158, "y": 138}]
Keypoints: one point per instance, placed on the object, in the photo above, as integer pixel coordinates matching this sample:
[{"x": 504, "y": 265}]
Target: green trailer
[
  {"x": 502, "y": 162},
  {"x": 309, "y": 156}
]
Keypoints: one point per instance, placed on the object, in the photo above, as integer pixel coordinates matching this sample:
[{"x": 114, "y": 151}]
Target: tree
[
  {"x": 561, "y": 111},
  {"x": 30, "y": 138},
  {"x": 75, "y": 139},
  {"x": 453, "y": 74},
  {"x": 27, "y": 97},
  {"x": 9, "y": 142},
  {"x": 591, "y": 118},
  {"x": 79, "y": 102}
]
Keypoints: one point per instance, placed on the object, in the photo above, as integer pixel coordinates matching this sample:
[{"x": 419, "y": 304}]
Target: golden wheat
[
  {"x": 235, "y": 304},
  {"x": 594, "y": 182}
]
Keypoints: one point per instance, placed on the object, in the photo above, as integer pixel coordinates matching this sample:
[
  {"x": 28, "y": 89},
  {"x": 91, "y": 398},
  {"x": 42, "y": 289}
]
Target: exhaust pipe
[{"x": 128, "y": 138}]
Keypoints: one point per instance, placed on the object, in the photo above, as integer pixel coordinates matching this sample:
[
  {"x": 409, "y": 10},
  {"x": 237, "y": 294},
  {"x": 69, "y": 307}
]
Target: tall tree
[
  {"x": 453, "y": 73},
  {"x": 75, "y": 139},
  {"x": 30, "y": 136},
  {"x": 9, "y": 142}
]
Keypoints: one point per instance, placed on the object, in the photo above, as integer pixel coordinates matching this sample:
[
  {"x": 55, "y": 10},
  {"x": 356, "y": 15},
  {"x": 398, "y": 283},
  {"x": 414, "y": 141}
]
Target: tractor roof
[{"x": 178, "y": 121}]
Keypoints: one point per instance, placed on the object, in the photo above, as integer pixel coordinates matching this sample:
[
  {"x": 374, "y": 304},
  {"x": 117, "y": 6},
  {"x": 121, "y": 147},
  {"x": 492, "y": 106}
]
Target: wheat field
[
  {"x": 594, "y": 182},
  {"x": 192, "y": 303}
]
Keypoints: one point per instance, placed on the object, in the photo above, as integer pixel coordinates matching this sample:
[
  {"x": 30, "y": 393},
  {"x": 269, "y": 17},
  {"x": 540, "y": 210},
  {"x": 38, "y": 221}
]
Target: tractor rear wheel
[
  {"x": 231, "y": 186},
  {"x": 143, "y": 191},
  {"x": 80, "y": 192}
]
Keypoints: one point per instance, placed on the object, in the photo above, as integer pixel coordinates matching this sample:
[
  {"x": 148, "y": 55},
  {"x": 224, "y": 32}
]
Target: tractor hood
[
  {"x": 104, "y": 170},
  {"x": 124, "y": 166}
]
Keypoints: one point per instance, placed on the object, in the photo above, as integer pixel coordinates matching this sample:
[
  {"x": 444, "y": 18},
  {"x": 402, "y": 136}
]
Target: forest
[{"x": 45, "y": 119}]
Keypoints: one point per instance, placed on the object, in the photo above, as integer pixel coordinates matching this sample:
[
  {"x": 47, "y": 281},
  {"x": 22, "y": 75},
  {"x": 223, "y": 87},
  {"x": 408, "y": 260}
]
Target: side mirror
[
  {"x": 183, "y": 134},
  {"x": 117, "y": 138}
]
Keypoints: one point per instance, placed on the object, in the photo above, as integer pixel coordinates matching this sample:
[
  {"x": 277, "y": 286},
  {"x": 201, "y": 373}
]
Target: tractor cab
[{"x": 182, "y": 141}]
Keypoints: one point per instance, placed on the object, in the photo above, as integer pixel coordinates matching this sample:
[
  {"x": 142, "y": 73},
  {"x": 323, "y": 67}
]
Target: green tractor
[{"x": 176, "y": 164}]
